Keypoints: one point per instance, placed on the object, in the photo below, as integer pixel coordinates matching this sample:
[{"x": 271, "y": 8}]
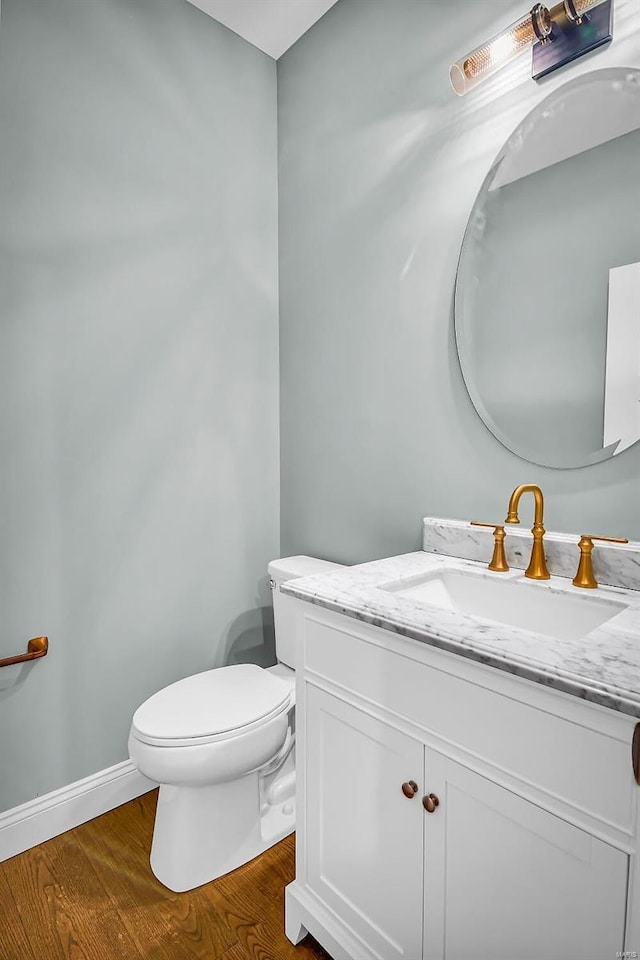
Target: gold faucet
[
  {"x": 498, "y": 561},
  {"x": 537, "y": 569},
  {"x": 584, "y": 576}
]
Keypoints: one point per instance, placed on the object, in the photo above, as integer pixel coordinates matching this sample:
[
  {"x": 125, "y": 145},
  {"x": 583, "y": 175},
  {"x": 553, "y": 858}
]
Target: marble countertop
[{"x": 603, "y": 666}]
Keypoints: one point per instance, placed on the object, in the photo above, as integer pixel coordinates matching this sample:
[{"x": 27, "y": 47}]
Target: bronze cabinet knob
[
  {"x": 410, "y": 788},
  {"x": 430, "y": 802}
]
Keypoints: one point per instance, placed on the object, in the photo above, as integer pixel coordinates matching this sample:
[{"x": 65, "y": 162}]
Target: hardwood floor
[{"x": 90, "y": 895}]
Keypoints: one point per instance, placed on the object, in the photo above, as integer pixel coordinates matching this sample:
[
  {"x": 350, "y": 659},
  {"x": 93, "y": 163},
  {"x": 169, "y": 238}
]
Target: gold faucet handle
[
  {"x": 584, "y": 575},
  {"x": 591, "y": 536},
  {"x": 499, "y": 559}
]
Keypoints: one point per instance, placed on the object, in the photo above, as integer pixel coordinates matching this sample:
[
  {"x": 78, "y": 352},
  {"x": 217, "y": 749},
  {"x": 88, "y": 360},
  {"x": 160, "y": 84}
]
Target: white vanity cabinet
[
  {"x": 364, "y": 838},
  {"x": 505, "y": 878},
  {"x": 528, "y": 846}
]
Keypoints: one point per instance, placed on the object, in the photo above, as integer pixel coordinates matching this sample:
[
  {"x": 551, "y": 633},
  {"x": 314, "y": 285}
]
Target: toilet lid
[{"x": 216, "y": 701}]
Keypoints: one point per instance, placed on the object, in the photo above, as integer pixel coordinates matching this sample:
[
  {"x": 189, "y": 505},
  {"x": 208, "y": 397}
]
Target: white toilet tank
[{"x": 283, "y": 615}]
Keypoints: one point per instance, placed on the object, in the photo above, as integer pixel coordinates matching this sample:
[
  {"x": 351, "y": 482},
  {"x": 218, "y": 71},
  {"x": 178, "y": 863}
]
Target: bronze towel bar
[{"x": 37, "y": 647}]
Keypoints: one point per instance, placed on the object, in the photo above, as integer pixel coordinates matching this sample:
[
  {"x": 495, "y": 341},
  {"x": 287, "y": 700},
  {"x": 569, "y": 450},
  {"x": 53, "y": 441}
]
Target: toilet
[{"x": 221, "y": 744}]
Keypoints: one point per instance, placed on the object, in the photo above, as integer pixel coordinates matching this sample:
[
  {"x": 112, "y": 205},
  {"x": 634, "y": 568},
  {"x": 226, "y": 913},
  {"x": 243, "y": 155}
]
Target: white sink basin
[{"x": 510, "y": 599}]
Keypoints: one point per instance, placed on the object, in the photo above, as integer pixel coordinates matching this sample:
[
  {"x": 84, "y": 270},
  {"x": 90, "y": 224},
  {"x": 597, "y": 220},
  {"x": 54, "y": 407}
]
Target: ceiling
[{"x": 270, "y": 25}]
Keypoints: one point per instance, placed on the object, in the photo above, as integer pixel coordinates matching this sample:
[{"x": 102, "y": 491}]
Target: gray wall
[
  {"x": 138, "y": 367},
  {"x": 379, "y": 166}
]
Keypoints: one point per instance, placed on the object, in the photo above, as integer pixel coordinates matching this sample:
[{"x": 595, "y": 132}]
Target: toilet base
[{"x": 203, "y": 832}]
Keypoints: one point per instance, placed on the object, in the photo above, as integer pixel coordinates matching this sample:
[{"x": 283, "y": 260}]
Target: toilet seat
[{"x": 217, "y": 704}]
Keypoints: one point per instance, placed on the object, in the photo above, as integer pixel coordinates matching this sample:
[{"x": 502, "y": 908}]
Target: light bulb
[{"x": 482, "y": 62}]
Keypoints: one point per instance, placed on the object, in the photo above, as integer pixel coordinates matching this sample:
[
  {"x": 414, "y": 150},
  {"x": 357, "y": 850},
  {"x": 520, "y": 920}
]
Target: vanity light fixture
[{"x": 557, "y": 35}]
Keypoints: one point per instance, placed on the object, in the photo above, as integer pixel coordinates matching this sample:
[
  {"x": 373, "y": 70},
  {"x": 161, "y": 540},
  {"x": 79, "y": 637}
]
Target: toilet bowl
[{"x": 221, "y": 744}]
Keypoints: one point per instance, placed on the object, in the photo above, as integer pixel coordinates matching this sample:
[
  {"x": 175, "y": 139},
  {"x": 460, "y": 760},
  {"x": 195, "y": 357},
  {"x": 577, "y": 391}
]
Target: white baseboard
[{"x": 45, "y": 817}]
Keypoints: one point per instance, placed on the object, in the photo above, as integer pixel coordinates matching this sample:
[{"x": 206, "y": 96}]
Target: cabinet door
[
  {"x": 364, "y": 843},
  {"x": 505, "y": 878}
]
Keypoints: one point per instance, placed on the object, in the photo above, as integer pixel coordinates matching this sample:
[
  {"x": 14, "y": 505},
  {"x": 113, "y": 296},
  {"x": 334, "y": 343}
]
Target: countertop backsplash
[{"x": 614, "y": 564}]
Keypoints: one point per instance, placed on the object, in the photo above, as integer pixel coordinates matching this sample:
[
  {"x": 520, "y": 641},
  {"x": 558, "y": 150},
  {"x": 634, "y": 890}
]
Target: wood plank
[
  {"x": 163, "y": 924},
  {"x": 34, "y": 890},
  {"x": 90, "y": 895},
  {"x": 64, "y": 906},
  {"x": 14, "y": 942},
  {"x": 236, "y": 952},
  {"x": 252, "y": 901}
]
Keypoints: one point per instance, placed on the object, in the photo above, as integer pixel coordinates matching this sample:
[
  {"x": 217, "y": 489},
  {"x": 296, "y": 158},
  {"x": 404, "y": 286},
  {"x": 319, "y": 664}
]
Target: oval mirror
[{"x": 547, "y": 299}]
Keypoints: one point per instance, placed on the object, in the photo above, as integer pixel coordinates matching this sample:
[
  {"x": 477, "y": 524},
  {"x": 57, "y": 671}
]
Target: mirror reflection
[{"x": 547, "y": 305}]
